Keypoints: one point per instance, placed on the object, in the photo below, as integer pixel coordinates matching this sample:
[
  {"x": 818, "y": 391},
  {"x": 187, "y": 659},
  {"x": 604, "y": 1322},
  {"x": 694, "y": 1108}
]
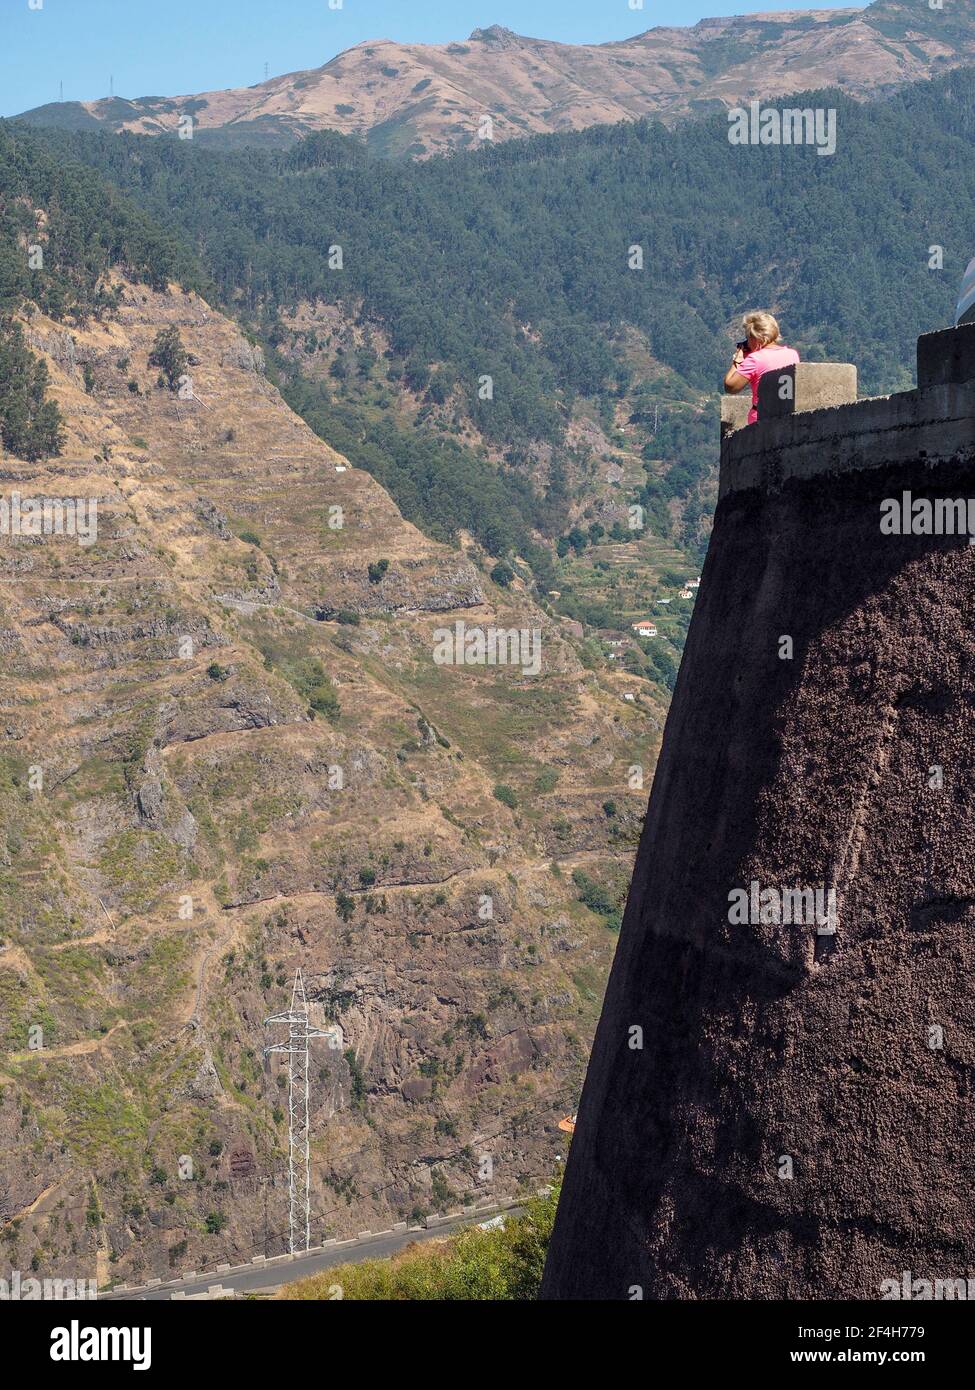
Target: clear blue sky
[{"x": 172, "y": 47}]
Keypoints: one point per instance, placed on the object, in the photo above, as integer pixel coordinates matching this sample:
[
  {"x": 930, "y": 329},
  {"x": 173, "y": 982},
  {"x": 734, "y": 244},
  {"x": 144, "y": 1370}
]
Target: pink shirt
[{"x": 762, "y": 360}]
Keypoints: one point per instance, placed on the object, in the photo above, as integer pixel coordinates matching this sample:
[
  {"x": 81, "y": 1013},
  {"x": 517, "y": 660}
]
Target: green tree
[
  {"x": 31, "y": 426},
  {"x": 502, "y": 574},
  {"x": 169, "y": 355}
]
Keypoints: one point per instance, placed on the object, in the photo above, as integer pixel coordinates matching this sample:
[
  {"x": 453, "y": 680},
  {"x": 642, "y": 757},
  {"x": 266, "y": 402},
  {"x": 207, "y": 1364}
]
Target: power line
[{"x": 299, "y": 1154}]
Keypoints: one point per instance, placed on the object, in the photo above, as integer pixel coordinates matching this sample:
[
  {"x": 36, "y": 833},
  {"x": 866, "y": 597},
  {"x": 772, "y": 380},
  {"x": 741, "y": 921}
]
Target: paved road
[{"x": 272, "y": 1276}]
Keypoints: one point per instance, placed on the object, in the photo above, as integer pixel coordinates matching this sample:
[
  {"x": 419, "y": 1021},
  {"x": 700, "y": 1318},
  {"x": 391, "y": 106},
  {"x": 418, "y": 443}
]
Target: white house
[{"x": 645, "y": 628}]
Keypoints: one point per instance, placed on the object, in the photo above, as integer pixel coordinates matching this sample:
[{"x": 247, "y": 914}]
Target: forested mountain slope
[{"x": 595, "y": 279}]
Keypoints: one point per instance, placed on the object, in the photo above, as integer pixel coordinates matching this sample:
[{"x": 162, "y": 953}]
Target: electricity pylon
[{"x": 299, "y": 1157}]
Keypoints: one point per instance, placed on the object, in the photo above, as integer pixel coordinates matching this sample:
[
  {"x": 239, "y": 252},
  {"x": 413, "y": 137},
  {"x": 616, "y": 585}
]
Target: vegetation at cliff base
[
  {"x": 474, "y": 1265},
  {"x": 170, "y": 356}
]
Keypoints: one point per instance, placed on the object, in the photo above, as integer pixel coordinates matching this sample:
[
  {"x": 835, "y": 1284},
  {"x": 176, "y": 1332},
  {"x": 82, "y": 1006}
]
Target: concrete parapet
[
  {"x": 214, "y": 1291},
  {"x": 933, "y": 425},
  {"x": 793, "y": 390},
  {"x": 947, "y": 357}
]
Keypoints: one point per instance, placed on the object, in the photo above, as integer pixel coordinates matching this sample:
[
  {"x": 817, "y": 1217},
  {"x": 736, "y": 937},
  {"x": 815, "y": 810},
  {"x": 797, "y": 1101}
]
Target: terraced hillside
[
  {"x": 229, "y": 752},
  {"x": 610, "y": 566}
]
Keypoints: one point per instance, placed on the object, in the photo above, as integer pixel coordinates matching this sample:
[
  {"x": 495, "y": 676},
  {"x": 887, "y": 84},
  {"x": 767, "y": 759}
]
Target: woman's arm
[{"x": 734, "y": 381}]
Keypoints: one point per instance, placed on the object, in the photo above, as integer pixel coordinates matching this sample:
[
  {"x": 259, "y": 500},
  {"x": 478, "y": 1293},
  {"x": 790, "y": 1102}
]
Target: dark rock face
[
  {"x": 798, "y": 1121},
  {"x": 498, "y": 35}
]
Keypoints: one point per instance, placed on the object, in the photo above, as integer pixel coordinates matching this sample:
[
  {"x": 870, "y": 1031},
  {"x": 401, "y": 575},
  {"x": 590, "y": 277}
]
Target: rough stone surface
[
  {"x": 734, "y": 412},
  {"x": 946, "y": 357},
  {"x": 765, "y": 1041}
]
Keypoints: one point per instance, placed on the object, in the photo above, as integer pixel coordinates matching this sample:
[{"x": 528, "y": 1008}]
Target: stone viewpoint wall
[{"x": 797, "y": 1122}]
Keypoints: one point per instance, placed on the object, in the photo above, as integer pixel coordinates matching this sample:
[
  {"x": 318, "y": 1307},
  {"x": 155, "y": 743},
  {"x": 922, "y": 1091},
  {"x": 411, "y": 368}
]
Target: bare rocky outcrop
[
  {"x": 411, "y": 586},
  {"x": 212, "y": 518}
]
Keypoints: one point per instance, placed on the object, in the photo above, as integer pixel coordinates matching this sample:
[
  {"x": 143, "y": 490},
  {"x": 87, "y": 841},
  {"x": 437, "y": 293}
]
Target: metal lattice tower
[{"x": 299, "y": 1159}]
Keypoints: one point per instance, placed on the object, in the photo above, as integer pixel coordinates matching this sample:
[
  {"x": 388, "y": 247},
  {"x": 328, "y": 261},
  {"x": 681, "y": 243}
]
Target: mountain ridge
[{"x": 423, "y": 99}]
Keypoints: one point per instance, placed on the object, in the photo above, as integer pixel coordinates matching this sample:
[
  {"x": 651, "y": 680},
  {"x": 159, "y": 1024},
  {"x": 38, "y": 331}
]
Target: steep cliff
[{"x": 229, "y": 750}]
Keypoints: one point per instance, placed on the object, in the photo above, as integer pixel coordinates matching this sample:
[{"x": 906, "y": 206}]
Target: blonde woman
[{"x": 763, "y": 351}]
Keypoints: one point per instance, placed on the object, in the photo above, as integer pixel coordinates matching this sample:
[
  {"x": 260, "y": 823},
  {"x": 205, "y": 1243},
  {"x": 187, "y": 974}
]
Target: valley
[{"x": 325, "y": 413}]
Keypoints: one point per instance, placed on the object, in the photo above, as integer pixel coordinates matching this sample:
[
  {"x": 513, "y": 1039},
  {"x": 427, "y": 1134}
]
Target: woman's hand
[{"x": 737, "y": 356}]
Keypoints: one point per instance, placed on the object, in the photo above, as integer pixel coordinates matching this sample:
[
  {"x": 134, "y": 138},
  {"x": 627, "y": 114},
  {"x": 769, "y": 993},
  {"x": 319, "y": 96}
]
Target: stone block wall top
[{"x": 808, "y": 386}]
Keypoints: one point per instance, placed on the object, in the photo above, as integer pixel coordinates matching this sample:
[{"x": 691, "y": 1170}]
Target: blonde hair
[{"x": 762, "y": 326}]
